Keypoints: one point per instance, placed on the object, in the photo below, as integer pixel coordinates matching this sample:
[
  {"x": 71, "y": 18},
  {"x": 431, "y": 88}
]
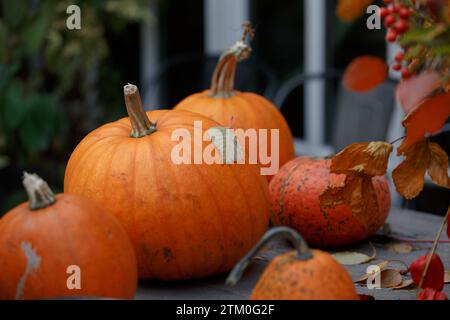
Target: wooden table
[{"x": 403, "y": 223}]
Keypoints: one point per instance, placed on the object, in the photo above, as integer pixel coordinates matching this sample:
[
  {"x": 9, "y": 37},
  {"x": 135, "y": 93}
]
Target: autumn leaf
[
  {"x": 370, "y": 158},
  {"x": 349, "y": 10},
  {"x": 422, "y": 157},
  {"x": 359, "y": 162},
  {"x": 364, "y": 73},
  {"x": 431, "y": 294},
  {"x": 350, "y": 258},
  {"x": 435, "y": 275},
  {"x": 426, "y": 118},
  {"x": 410, "y": 92},
  {"x": 357, "y": 192}
]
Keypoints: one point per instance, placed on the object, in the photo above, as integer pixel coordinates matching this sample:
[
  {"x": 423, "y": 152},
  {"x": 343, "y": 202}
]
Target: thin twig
[
  {"x": 397, "y": 140},
  {"x": 433, "y": 249},
  {"x": 409, "y": 240}
]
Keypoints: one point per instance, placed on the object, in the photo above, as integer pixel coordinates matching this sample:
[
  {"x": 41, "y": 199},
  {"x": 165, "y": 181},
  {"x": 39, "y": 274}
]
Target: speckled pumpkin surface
[
  {"x": 295, "y": 193},
  {"x": 319, "y": 278}
]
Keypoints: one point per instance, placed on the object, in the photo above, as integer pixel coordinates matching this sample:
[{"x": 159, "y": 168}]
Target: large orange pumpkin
[
  {"x": 295, "y": 193},
  {"x": 45, "y": 241},
  {"x": 301, "y": 274},
  {"x": 243, "y": 110},
  {"x": 185, "y": 220}
]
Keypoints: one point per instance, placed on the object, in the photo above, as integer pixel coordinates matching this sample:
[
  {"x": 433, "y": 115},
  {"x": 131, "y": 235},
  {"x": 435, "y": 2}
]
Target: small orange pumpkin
[
  {"x": 45, "y": 241},
  {"x": 295, "y": 193},
  {"x": 301, "y": 274},
  {"x": 240, "y": 110},
  {"x": 185, "y": 220}
]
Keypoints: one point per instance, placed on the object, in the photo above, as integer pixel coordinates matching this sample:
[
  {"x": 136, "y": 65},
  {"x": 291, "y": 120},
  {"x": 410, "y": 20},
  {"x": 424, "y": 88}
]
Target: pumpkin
[
  {"x": 241, "y": 110},
  {"x": 295, "y": 193},
  {"x": 63, "y": 246},
  {"x": 185, "y": 220},
  {"x": 301, "y": 274}
]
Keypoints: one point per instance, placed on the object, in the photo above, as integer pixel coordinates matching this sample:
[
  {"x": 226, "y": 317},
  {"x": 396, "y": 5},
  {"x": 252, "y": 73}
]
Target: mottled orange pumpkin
[
  {"x": 295, "y": 193},
  {"x": 240, "y": 110},
  {"x": 301, "y": 274},
  {"x": 185, "y": 220},
  {"x": 45, "y": 241}
]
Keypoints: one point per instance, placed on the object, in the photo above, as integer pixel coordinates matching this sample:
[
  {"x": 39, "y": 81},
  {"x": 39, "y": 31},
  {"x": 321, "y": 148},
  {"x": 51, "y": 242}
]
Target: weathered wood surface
[{"x": 403, "y": 223}]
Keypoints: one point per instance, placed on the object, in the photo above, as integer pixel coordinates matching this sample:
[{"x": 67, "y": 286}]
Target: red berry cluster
[
  {"x": 395, "y": 17},
  {"x": 397, "y": 66}
]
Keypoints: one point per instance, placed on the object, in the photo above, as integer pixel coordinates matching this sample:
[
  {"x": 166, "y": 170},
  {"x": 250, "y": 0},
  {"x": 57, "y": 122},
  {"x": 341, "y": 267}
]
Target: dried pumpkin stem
[
  {"x": 297, "y": 241},
  {"x": 39, "y": 193},
  {"x": 434, "y": 248},
  {"x": 222, "y": 83},
  {"x": 141, "y": 125}
]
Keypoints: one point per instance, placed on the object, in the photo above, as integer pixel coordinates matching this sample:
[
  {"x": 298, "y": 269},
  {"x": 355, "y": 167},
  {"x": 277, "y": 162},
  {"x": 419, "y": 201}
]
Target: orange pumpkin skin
[
  {"x": 185, "y": 221},
  {"x": 319, "y": 278},
  {"x": 72, "y": 231},
  {"x": 295, "y": 193},
  {"x": 244, "y": 110}
]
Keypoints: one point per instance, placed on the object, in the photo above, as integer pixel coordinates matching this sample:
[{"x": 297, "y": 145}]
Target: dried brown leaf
[
  {"x": 349, "y": 258},
  {"x": 370, "y": 158},
  {"x": 409, "y": 176},
  {"x": 406, "y": 283},
  {"x": 400, "y": 248}
]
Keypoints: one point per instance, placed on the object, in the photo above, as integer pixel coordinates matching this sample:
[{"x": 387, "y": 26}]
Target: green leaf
[
  {"x": 37, "y": 29},
  {"x": 4, "y": 161},
  {"x": 39, "y": 124},
  {"x": 15, "y": 106},
  {"x": 14, "y": 12}
]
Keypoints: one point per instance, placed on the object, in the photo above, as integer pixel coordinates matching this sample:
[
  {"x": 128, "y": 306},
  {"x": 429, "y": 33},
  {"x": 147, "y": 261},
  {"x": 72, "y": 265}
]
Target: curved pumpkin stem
[
  {"x": 222, "y": 83},
  {"x": 297, "y": 241},
  {"x": 141, "y": 125},
  {"x": 39, "y": 193}
]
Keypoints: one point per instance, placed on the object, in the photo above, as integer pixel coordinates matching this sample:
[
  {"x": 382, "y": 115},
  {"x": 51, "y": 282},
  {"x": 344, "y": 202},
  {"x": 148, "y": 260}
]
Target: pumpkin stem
[
  {"x": 222, "y": 83},
  {"x": 297, "y": 241},
  {"x": 141, "y": 125},
  {"x": 39, "y": 193}
]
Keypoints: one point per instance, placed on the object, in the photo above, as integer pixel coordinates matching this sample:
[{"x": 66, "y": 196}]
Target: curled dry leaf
[
  {"x": 381, "y": 265},
  {"x": 349, "y": 258},
  {"x": 389, "y": 278},
  {"x": 406, "y": 283},
  {"x": 358, "y": 193},
  {"x": 349, "y": 10},
  {"x": 421, "y": 157},
  {"x": 360, "y": 162},
  {"x": 364, "y": 73},
  {"x": 370, "y": 158},
  {"x": 435, "y": 275},
  {"x": 410, "y": 92},
  {"x": 431, "y": 294},
  {"x": 426, "y": 118}
]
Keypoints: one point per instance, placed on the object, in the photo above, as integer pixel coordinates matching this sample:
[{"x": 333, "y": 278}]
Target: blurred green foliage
[{"x": 47, "y": 74}]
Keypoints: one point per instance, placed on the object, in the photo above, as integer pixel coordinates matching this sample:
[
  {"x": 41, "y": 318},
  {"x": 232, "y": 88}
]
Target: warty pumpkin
[
  {"x": 295, "y": 202},
  {"x": 185, "y": 220},
  {"x": 41, "y": 240},
  {"x": 302, "y": 274},
  {"x": 243, "y": 110}
]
